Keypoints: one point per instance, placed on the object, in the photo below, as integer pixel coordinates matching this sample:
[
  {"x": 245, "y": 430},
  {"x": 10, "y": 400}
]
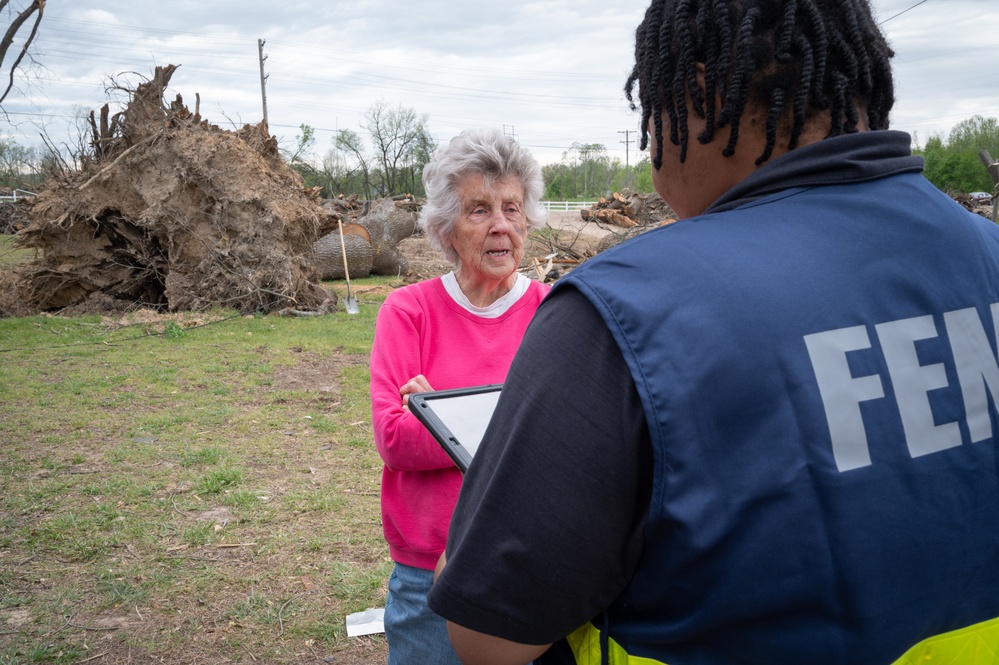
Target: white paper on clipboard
[{"x": 457, "y": 418}]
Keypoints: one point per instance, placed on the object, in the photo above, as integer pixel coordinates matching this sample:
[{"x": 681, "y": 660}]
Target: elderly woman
[{"x": 454, "y": 331}]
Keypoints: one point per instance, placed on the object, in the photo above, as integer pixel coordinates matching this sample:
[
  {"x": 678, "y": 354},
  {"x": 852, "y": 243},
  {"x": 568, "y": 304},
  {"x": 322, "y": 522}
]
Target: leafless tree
[
  {"x": 339, "y": 175},
  {"x": 402, "y": 143},
  {"x": 36, "y": 9},
  {"x": 349, "y": 143}
]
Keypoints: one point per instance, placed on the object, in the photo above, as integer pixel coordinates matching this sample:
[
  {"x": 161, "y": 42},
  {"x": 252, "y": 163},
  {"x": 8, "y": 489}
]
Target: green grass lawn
[
  {"x": 11, "y": 256},
  {"x": 191, "y": 488}
]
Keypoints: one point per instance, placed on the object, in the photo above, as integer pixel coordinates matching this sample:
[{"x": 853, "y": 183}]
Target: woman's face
[{"x": 489, "y": 233}]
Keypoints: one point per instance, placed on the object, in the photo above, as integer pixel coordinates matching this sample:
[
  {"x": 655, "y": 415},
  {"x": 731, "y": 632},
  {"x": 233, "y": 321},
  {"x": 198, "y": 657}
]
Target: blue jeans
[{"x": 415, "y": 635}]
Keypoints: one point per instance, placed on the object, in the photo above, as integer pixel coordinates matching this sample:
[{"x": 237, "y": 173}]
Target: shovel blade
[{"x": 351, "y": 304}]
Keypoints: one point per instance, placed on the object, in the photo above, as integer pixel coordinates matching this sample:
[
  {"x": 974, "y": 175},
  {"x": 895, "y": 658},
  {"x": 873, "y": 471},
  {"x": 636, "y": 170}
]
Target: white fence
[
  {"x": 568, "y": 205},
  {"x": 18, "y": 193}
]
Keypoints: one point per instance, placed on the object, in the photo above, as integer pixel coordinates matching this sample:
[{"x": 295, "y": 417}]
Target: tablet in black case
[{"x": 457, "y": 418}]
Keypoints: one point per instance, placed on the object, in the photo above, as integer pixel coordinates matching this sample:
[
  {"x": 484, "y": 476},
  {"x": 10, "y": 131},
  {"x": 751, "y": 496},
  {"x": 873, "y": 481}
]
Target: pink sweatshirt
[{"x": 422, "y": 330}]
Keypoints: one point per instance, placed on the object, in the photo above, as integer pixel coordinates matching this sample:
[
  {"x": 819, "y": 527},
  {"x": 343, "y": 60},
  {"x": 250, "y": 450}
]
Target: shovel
[{"x": 351, "y": 303}]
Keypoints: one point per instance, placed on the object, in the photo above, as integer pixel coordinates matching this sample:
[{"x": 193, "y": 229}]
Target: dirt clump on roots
[{"x": 174, "y": 213}]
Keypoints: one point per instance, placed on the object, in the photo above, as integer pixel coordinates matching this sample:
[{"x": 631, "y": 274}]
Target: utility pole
[
  {"x": 263, "y": 79},
  {"x": 512, "y": 133},
  {"x": 627, "y": 166}
]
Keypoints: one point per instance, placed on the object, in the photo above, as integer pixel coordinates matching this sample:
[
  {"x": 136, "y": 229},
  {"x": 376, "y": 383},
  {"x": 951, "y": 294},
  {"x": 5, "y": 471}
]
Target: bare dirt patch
[
  {"x": 424, "y": 261},
  {"x": 314, "y": 372}
]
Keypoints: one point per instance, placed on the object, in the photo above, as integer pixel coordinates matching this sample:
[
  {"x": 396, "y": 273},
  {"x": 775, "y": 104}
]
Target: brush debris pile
[{"x": 174, "y": 213}]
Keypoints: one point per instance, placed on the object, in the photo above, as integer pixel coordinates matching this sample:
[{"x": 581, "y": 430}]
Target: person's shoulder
[
  {"x": 416, "y": 291},
  {"x": 539, "y": 288},
  {"x": 413, "y": 299},
  {"x": 984, "y": 227}
]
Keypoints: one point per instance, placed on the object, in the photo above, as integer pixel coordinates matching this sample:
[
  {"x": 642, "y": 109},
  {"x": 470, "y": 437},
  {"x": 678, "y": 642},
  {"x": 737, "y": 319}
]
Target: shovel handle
[{"x": 343, "y": 248}]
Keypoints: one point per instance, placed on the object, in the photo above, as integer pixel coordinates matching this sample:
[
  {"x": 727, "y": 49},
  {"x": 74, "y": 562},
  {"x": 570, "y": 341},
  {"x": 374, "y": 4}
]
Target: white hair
[{"x": 475, "y": 151}]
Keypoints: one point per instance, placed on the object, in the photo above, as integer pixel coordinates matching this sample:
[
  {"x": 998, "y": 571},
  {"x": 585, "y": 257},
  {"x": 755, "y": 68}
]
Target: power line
[
  {"x": 87, "y": 38},
  {"x": 490, "y": 93},
  {"x": 903, "y": 11}
]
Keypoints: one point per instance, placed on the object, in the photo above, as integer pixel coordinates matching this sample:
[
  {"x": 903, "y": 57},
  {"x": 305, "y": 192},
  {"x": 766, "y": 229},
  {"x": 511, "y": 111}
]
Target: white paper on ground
[{"x": 368, "y": 622}]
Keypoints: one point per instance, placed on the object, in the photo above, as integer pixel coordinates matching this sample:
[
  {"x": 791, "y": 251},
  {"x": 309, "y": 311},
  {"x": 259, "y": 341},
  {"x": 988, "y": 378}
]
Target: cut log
[
  {"x": 387, "y": 225},
  {"x": 353, "y": 229},
  {"x": 612, "y": 217},
  {"x": 329, "y": 255}
]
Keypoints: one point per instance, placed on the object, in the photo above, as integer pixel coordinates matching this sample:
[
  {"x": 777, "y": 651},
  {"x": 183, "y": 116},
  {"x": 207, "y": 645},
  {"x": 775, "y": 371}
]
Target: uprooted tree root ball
[{"x": 175, "y": 213}]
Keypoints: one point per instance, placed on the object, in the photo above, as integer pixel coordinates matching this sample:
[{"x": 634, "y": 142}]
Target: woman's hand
[{"x": 418, "y": 384}]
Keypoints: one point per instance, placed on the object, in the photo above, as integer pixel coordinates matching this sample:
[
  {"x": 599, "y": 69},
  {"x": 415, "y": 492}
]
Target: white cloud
[
  {"x": 944, "y": 55},
  {"x": 549, "y": 71}
]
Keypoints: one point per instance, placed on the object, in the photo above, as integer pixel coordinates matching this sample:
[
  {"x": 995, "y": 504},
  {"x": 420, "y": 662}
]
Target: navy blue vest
[{"x": 818, "y": 369}]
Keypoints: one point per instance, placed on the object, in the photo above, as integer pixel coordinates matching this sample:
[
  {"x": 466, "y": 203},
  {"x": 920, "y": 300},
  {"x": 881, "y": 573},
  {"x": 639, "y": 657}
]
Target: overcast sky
[{"x": 550, "y": 72}]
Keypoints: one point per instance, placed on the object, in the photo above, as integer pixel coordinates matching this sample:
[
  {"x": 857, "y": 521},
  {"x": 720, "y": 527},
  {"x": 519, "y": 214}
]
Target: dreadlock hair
[{"x": 793, "y": 58}]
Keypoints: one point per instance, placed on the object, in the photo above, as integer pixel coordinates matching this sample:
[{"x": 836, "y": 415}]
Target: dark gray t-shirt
[{"x": 530, "y": 557}]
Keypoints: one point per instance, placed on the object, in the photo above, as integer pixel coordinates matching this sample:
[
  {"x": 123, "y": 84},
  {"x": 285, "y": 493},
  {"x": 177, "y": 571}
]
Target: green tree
[
  {"x": 641, "y": 174},
  {"x": 954, "y": 165},
  {"x": 564, "y": 181},
  {"x": 975, "y": 134},
  {"x": 19, "y": 166},
  {"x": 590, "y": 155},
  {"x": 304, "y": 142},
  {"x": 586, "y": 172},
  {"x": 556, "y": 177},
  {"x": 298, "y": 156}
]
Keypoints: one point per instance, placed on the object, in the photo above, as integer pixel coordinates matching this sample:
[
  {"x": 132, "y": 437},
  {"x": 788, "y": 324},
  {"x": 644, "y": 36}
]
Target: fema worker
[{"x": 764, "y": 434}]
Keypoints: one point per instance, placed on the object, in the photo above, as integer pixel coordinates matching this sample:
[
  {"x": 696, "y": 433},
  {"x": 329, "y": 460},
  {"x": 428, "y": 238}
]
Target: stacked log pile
[
  {"x": 629, "y": 210},
  {"x": 618, "y": 209},
  {"x": 635, "y": 213}
]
